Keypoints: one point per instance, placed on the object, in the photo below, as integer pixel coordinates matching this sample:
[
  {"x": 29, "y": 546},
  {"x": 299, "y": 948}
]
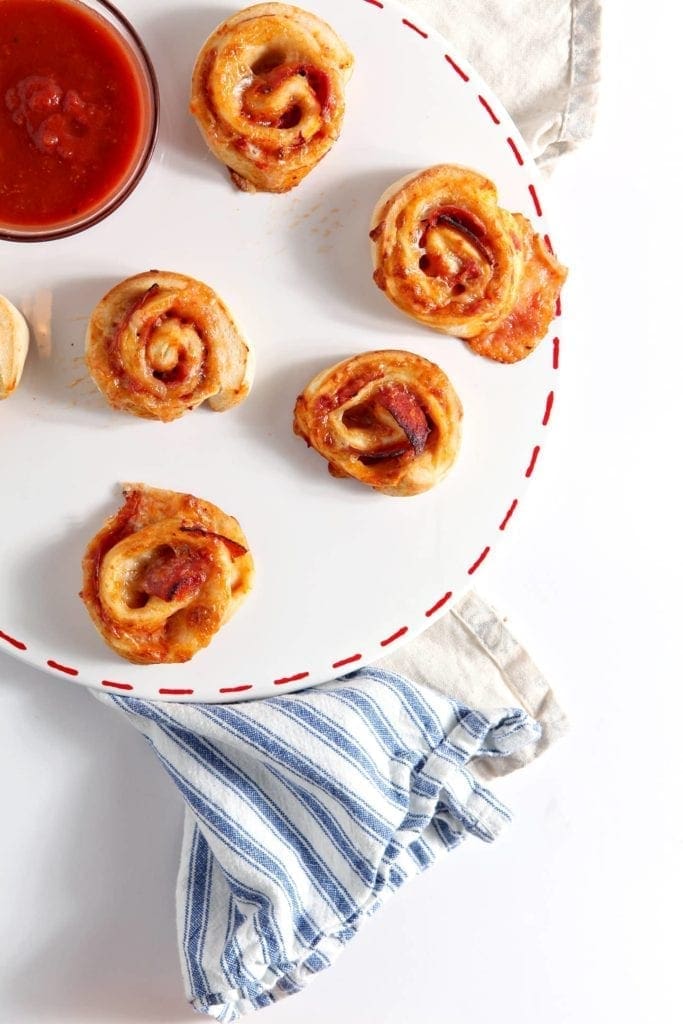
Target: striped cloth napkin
[{"x": 305, "y": 812}]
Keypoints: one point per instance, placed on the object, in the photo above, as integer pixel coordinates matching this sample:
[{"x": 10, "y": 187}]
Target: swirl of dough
[
  {"x": 159, "y": 344},
  {"x": 14, "y": 340},
  {"x": 390, "y": 419},
  {"x": 163, "y": 575},
  {"x": 449, "y": 256},
  {"x": 268, "y": 94}
]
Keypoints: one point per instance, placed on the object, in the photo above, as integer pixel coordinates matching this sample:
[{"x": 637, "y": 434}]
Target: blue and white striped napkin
[{"x": 304, "y": 812}]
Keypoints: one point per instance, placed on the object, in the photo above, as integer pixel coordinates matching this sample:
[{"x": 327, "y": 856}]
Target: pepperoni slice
[
  {"x": 407, "y": 411},
  {"x": 176, "y": 576}
]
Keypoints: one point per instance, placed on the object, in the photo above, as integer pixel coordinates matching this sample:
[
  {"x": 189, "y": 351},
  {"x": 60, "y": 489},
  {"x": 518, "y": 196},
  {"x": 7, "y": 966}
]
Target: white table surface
[{"x": 573, "y": 915}]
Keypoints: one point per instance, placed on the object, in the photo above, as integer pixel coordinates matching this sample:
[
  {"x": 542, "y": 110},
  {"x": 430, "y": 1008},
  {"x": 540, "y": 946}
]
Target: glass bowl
[{"x": 119, "y": 29}]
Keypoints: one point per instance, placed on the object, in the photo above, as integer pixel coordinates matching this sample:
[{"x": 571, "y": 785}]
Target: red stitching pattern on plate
[
  {"x": 488, "y": 110},
  {"x": 15, "y": 643},
  {"x": 558, "y": 307},
  {"x": 415, "y": 28},
  {"x": 457, "y": 68},
  {"x": 556, "y": 353},
  {"x": 375, "y": 3},
  {"x": 116, "y": 686},
  {"x": 546, "y": 239},
  {"x": 548, "y": 408},
  {"x": 236, "y": 689},
  {"x": 290, "y": 679},
  {"x": 62, "y": 668},
  {"x": 518, "y": 155},
  {"x": 394, "y": 636},
  {"x": 475, "y": 565},
  {"x": 537, "y": 203},
  {"x": 508, "y": 514},
  {"x": 347, "y": 661},
  {"x": 532, "y": 465},
  {"x": 439, "y": 604},
  {"x": 167, "y": 691}
]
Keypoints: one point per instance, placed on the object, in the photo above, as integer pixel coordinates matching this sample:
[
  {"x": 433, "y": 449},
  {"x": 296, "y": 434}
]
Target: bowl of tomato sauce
[{"x": 79, "y": 112}]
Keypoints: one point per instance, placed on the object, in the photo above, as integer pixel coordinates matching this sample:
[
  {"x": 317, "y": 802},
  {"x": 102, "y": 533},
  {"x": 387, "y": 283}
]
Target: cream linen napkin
[
  {"x": 540, "y": 57},
  {"x": 470, "y": 654}
]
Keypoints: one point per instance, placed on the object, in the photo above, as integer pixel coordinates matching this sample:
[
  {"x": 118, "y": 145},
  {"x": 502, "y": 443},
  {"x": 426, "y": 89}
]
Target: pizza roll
[
  {"x": 159, "y": 344},
  {"x": 13, "y": 347},
  {"x": 446, "y": 254},
  {"x": 268, "y": 94},
  {"x": 163, "y": 575},
  {"x": 390, "y": 419}
]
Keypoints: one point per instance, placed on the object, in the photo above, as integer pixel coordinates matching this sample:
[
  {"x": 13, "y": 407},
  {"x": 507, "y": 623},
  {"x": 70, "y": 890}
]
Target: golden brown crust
[
  {"x": 159, "y": 344},
  {"x": 390, "y": 419},
  {"x": 449, "y": 256},
  {"x": 268, "y": 94},
  {"x": 163, "y": 575},
  {"x": 14, "y": 340}
]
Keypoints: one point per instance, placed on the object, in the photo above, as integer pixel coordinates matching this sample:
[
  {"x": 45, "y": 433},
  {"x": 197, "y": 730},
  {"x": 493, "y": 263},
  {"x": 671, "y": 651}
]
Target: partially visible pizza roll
[
  {"x": 159, "y": 344},
  {"x": 390, "y": 419},
  {"x": 268, "y": 94},
  {"x": 449, "y": 256},
  {"x": 14, "y": 339},
  {"x": 163, "y": 575}
]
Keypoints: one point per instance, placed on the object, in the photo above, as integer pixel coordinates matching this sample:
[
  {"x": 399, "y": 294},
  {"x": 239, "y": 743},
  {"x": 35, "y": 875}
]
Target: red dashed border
[
  {"x": 420, "y": 32},
  {"x": 20, "y": 646},
  {"x": 475, "y": 565},
  {"x": 509, "y": 514},
  {"x": 456, "y": 67},
  {"x": 518, "y": 156},
  {"x": 442, "y": 601},
  {"x": 66, "y": 669},
  {"x": 532, "y": 463},
  {"x": 439, "y": 604},
  {"x": 291, "y": 679},
  {"x": 394, "y": 636},
  {"x": 347, "y": 661},
  {"x": 549, "y": 402},
  {"x": 489, "y": 110}
]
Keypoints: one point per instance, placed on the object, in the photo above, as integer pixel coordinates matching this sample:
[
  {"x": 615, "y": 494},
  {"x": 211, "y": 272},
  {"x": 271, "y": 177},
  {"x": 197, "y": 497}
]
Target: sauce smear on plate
[{"x": 71, "y": 111}]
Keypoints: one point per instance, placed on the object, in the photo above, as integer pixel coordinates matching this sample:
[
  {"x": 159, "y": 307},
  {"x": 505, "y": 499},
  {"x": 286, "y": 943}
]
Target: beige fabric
[
  {"x": 470, "y": 654},
  {"x": 540, "y": 57}
]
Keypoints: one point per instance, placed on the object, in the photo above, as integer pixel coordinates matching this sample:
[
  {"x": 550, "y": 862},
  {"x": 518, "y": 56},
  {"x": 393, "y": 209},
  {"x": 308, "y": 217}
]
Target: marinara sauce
[{"x": 72, "y": 112}]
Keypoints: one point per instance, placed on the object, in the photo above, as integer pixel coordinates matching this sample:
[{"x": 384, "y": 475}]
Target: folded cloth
[
  {"x": 470, "y": 654},
  {"x": 540, "y": 57},
  {"x": 304, "y": 812}
]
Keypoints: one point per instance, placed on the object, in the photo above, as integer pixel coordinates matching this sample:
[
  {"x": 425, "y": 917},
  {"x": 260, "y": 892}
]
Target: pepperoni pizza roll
[
  {"x": 163, "y": 575},
  {"x": 268, "y": 94},
  {"x": 13, "y": 347},
  {"x": 390, "y": 419},
  {"x": 446, "y": 254},
  {"x": 159, "y": 344}
]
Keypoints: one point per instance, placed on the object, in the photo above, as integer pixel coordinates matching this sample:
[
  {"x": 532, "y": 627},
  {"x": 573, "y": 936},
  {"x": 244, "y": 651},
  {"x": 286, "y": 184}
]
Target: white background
[{"x": 572, "y": 916}]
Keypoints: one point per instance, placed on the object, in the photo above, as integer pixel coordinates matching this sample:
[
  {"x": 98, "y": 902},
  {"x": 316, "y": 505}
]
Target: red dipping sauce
[{"x": 77, "y": 115}]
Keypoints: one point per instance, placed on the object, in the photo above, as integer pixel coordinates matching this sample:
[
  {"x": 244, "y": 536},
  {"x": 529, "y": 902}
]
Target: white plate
[{"x": 343, "y": 574}]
